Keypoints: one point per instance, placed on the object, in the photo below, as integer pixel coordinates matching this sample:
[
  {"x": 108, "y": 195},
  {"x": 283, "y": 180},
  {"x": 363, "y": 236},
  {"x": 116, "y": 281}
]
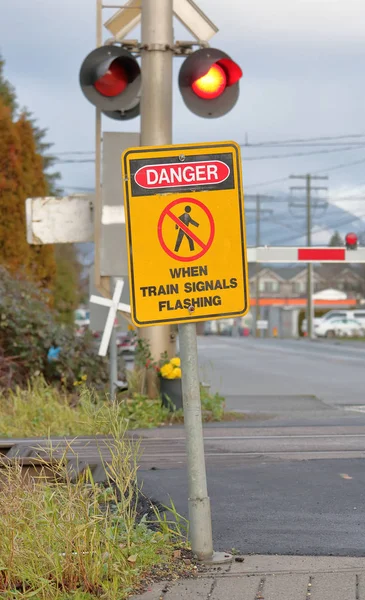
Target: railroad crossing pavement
[
  {"x": 271, "y": 578},
  {"x": 277, "y": 491},
  {"x": 290, "y": 479}
]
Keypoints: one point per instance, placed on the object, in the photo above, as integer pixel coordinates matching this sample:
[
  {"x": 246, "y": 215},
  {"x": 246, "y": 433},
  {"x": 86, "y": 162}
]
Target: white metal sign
[
  {"x": 64, "y": 220},
  {"x": 188, "y": 13}
]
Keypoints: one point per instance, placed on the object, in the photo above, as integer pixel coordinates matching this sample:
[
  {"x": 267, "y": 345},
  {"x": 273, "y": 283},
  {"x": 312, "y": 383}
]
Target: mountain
[{"x": 286, "y": 226}]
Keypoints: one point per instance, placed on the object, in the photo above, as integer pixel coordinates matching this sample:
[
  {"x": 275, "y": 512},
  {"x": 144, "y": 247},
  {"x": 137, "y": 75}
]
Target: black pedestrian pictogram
[
  {"x": 186, "y": 220},
  {"x": 198, "y": 245}
]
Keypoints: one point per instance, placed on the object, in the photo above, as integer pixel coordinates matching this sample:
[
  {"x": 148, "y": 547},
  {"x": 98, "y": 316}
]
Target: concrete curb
[{"x": 271, "y": 578}]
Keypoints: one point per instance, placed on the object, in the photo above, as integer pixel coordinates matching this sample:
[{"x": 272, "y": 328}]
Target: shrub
[{"x": 29, "y": 327}]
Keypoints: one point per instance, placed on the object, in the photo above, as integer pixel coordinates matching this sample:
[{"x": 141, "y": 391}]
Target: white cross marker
[{"x": 114, "y": 305}]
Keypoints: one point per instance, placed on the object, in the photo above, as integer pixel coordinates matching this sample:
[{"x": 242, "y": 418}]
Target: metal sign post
[{"x": 187, "y": 263}]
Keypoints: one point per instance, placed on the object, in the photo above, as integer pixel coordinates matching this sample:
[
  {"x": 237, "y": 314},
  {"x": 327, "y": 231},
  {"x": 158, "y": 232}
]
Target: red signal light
[
  {"x": 113, "y": 82},
  {"x": 209, "y": 82},
  {"x": 351, "y": 241},
  {"x": 212, "y": 84}
]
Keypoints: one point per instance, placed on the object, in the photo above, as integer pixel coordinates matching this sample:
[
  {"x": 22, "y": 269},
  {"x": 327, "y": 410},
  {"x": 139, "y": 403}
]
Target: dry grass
[{"x": 62, "y": 540}]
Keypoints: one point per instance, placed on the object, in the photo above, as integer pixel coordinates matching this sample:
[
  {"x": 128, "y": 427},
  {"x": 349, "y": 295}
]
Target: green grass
[
  {"x": 57, "y": 543},
  {"x": 41, "y": 410}
]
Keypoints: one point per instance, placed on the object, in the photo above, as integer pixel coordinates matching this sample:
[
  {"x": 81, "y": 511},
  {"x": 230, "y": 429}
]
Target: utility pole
[
  {"x": 308, "y": 188},
  {"x": 259, "y": 212},
  {"x": 98, "y": 136},
  {"x": 156, "y": 112}
]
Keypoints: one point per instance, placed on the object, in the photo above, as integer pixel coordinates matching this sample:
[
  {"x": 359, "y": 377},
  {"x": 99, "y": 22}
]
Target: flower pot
[{"x": 171, "y": 393}]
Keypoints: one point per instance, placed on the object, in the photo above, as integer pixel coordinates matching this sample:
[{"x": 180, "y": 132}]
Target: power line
[
  {"x": 267, "y": 182},
  {"x": 295, "y": 154},
  {"x": 75, "y": 160},
  {"x": 75, "y": 152},
  {"x": 340, "y": 166},
  {"x": 332, "y": 225},
  {"x": 301, "y": 141},
  {"x": 327, "y": 169},
  {"x": 249, "y": 146},
  {"x": 75, "y": 187},
  {"x": 313, "y": 139}
]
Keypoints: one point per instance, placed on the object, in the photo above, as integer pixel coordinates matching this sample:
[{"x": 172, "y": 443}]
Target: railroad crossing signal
[
  {"x": 351, "y": 241},
  {"x": 110, "y": 78},
  {"x": 208, "y": 82},
  {"x": 187, "y": 256}
]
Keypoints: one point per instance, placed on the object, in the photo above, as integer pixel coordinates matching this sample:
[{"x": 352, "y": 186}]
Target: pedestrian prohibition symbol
[
  {"x": 186, "y": 240},
  {"x": 185, "y": 230}
]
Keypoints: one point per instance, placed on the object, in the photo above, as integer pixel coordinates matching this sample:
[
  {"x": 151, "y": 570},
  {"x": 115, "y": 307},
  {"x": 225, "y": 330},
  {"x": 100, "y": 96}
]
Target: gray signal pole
[
  {"x": 156, "y": 130},
  {"x": 156, "y": 111},
  {"x": 258, "y": 212},
  {"x": 308, "y": 205},
  {"x": 101, "y": 282}
]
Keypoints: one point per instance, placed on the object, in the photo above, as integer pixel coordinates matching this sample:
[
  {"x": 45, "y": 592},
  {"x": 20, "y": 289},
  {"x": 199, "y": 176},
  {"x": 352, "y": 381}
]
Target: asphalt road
[
  {"x": 244, "y": 367},
  {"x": 291, "y": 478}
]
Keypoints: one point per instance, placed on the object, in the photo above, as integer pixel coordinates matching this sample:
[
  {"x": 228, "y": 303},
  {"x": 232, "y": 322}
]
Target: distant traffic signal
[
  {"x": 351, "y": 241},
  {"x": 208, "y": 82},
  {"x": 110, "y": 78}
]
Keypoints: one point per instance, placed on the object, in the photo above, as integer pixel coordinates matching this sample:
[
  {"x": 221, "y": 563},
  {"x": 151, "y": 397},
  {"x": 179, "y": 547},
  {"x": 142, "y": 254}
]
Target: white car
[
  {"x": 331, "y": 328},
  {"x": 357, "y": 314}
]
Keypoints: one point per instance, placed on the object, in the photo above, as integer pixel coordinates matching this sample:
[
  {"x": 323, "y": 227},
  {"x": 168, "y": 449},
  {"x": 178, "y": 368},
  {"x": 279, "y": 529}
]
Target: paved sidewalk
[{"x": 272, "y": 578}]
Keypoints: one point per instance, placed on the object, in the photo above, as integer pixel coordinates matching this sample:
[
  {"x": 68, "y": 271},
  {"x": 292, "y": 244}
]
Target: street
[
  {"x": 289, "y": 479},
  {"x": 244, "y": 367}
]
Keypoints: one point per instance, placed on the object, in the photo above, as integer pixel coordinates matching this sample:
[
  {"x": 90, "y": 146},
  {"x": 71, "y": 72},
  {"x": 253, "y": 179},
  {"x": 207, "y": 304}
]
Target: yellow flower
[
  {"x": 171, "y": 375},
  {"x": 175, "y": 373},
  {"x": 166, "y": 370},
  {"x": 84, "y": 377},
  {"x": 175, "y": 361}
]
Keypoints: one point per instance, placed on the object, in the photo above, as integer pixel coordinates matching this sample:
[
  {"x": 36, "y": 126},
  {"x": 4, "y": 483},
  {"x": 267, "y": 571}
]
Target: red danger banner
[{"x": 177, "y": 175}]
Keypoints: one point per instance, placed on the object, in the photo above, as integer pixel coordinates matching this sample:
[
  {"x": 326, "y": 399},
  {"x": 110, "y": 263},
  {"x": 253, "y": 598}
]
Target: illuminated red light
[
  {"x": 212, "y": 84},
  {"x": 351, "y": 239},
  {"x": 113, "y": 82}
]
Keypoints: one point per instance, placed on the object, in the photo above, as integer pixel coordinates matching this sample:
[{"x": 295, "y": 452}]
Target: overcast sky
[{"x": 303, "y": 64}]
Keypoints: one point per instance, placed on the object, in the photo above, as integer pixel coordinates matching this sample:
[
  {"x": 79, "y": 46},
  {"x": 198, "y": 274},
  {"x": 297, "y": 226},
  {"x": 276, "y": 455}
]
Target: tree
[
  {"x": 67, "y": 282},
  {"x": 24, "y": 172},
  {"x": 336, "y": 240},
  {"x": 14, "y": 250},
  {"x": 48, "y": 160},
  {"x": 42, "y": 265},
  {"x": 7, "y": 92}
]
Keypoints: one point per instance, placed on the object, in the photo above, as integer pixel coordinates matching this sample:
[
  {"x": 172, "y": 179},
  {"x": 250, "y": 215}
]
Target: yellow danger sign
[{"x": 185, "y": 227}]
